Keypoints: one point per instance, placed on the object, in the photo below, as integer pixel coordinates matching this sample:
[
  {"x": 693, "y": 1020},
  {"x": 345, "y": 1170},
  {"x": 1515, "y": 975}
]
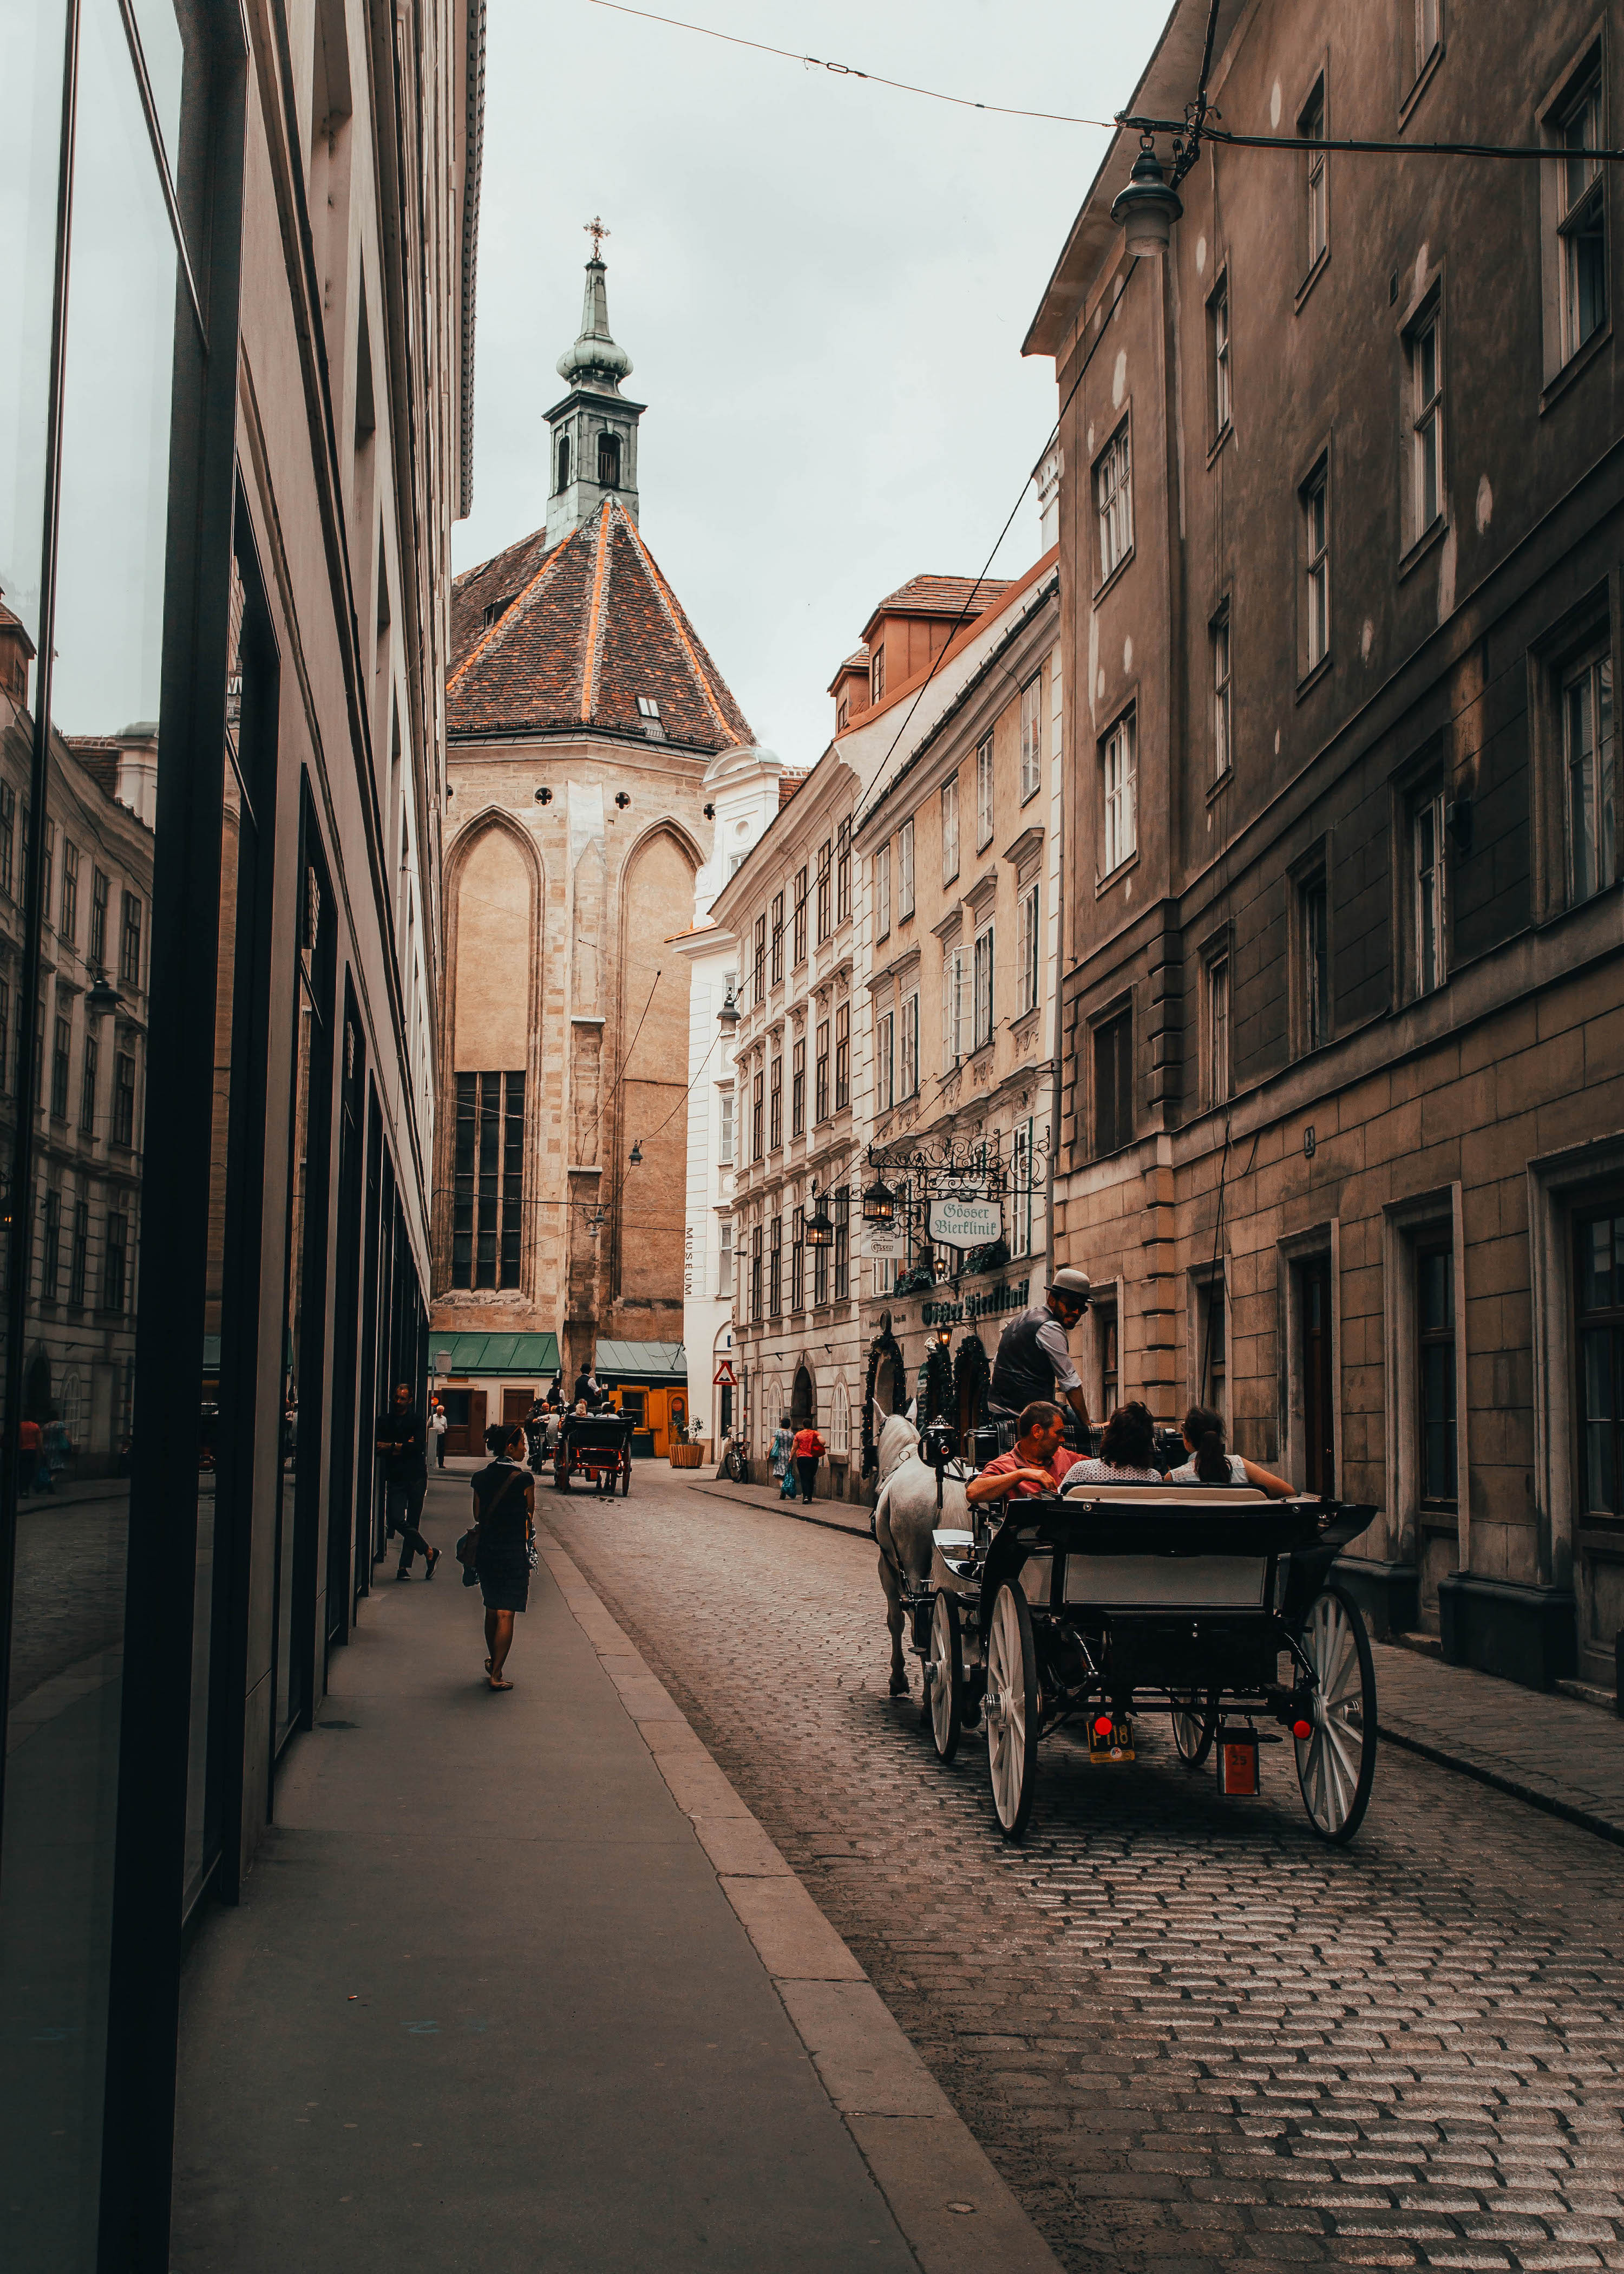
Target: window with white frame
[
  {"x": 953, "y": 993},
  {"x": 1587, "y": 754},
  {"x": 1581, "y": 214},
  {"x": 882, "y": 892},
  {"x": 1218, "y": 349},
  {"x": 908, "y": 1047},
  {"x": 1020, "y": 1188},
  {"x": 1314, "y": 499},
  {"x": 725, "y": 1128},
  {"x": 905, "y": 872},
  {"x": 1119, "y": 781},
  {"x": 1428, "y": 877},
  {"x": 1424, "y": 346},
  {"x": 725, "y": 1255},
  {"x": 983, "y": 991},
  {"x": 1113, "y": 492},
  {"x": 983, "y": 793},
  {"x": 1224, "y": 714},
  {"x": 1028, "y": 947},
  {"x": 950, "y": 829},
  {"x": 1031, "y": 737},
  {"x": 884, "y": 1061},
  {"x": 1219, "y": 1082},
  {"x": 839, "y": 1420},
  {"x": 1311, "y": 129}
]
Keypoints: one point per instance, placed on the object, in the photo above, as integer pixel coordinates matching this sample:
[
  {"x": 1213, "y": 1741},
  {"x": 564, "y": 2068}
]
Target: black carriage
[
  {"x": 1210, "y": 1603},
  {"x": 596, "y": 1447}
]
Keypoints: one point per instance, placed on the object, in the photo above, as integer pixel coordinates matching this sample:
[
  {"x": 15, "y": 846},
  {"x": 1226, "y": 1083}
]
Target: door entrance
[
  {"x": 515, "y": 1404},
  {"x": 1319, "y": 1381}
]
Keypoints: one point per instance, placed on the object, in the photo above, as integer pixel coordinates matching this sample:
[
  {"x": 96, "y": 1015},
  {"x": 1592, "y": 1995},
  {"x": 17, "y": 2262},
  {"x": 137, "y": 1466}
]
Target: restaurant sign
[{"x": 966, "y": 1223}]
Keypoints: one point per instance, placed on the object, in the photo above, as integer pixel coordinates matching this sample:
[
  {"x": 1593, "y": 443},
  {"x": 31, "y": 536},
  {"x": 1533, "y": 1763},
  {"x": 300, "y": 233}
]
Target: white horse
[{"x": 905, "y": 1516}]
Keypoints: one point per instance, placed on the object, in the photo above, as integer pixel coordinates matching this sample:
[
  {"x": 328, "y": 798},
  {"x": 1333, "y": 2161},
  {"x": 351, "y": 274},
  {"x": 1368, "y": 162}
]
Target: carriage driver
[
  {"x": 1032, "y": 1361},
  {"x": 1039, "y": 1463}
]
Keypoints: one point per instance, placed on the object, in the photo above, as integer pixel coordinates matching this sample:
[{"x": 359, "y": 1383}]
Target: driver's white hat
[{"x": 1074, "y": 1284}]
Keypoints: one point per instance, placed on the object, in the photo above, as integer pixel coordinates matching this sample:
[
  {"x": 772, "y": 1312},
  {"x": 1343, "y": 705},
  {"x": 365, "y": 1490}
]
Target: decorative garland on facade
[{"x": 883, "y": 1345}]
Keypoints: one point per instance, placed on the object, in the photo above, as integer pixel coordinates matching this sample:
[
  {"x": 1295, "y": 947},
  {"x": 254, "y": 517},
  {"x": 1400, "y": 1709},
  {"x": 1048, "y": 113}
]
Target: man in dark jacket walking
[{"x": 403, "y": 1456}]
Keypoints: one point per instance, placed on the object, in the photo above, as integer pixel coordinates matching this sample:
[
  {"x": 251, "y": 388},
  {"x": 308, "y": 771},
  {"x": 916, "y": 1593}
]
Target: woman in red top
[{"x": 808, "y": 1451}]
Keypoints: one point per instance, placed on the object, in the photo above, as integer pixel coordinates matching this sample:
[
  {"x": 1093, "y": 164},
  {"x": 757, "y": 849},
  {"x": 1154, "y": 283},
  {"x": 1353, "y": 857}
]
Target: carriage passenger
[
  {"x": 1211, "y": 1463},
  {"x": 1039, "y": 1463},
  {"x": 1127, "y": 1454}
]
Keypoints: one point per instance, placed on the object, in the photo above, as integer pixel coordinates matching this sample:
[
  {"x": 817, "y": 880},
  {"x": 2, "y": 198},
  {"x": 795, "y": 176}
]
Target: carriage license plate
[
  {"x": 1238, "y": 1766},
  {"x": 1108, "y": 1746}
]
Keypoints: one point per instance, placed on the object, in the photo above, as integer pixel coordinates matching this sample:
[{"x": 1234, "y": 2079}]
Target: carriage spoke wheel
[
  {"x": 1336, "y": 1762},
  {"x": 1011, "y": 1709},
  {"x": 1195, "y": 1724},
  {"x": 944, "y": 1677}
]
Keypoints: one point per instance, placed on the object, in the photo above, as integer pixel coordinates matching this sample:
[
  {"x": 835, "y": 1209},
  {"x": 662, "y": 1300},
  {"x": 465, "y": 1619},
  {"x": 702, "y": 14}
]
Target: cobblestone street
[{"x": 1188, "y": 2033}]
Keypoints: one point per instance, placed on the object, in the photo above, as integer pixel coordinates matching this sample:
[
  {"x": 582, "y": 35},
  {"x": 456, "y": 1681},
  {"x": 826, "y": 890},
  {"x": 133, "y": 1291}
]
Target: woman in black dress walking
[{"x": 504, "y": 1525}]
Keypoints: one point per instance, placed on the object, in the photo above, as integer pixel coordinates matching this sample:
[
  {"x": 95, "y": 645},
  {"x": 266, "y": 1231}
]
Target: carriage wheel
[
  {"x": 944, "y": 1677},
  {"x": 1337, "y": 1764},
  {"x": 1011, "y": 1709},
  {"x": 1194, "y": 1726},
  {"x": 626, "y": 1479}
]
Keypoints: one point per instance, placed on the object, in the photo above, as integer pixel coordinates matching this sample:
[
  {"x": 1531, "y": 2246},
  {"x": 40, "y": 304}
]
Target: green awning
[
  {"x": 531, "y": 1355},
  {"x": 650, "y": 1362}
]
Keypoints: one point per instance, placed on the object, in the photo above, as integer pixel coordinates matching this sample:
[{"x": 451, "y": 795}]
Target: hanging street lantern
[
  {"x": 879, "y": 1202},
  {"x": 728, "y": 1017},
  {"x": 820, "y": 1231},
  {"x": 636, "y": 1154},
  {"x": 1148, "y": 208}
]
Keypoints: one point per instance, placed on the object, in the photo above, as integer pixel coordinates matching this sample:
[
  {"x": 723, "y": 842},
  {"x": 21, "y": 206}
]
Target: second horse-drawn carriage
[{"x": 595, "y": 1449}]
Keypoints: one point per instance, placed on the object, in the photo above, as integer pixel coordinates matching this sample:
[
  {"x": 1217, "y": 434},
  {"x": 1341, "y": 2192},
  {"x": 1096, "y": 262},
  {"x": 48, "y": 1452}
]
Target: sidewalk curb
[
  {"x": 825, "y": 1522},
  {"x": 955, "y": 2213},
  {"x": 1548, "y": 1803}
]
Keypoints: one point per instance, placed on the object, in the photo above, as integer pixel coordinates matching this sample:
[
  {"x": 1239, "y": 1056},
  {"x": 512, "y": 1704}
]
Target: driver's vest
[{"x": 1023, "y": 1369}]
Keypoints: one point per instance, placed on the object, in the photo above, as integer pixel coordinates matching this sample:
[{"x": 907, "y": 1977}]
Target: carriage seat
[{"x": 1167, "y": 1496}]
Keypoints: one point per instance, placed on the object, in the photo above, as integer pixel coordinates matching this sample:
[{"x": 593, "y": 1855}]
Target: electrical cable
[{"x": 850, "y": 71}]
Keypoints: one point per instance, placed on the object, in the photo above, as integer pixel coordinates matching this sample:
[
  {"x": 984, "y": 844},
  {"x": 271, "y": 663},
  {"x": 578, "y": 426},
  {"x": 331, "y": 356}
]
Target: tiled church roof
[{"x": 572, "y": 638}]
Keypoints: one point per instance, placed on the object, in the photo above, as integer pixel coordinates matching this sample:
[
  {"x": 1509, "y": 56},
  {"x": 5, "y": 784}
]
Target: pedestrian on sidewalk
[
  {"x": 439, "y": 1421},
  {"x": 781, "y": 1458},
  {"x": 33, "y": 1470},
  {"x": 809, "y": 1450},
  {"x": 504, "y": 1538},
  {"x": 402, "y": 1442}
]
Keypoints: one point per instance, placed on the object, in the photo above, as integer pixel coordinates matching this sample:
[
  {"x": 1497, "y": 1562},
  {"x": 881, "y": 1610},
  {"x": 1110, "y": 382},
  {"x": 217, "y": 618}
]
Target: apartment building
[
  {"x": 1343, "y": 1035},
  {"x": 958, "y": 842}
]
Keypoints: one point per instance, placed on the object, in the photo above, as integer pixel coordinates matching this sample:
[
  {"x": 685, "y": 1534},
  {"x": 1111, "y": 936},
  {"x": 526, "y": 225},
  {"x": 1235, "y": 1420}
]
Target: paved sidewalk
[
  {"x": 518, "y": 1982},
  {"x": 835, "y": 1514},
  {"x": 1549, "y": 1751}
]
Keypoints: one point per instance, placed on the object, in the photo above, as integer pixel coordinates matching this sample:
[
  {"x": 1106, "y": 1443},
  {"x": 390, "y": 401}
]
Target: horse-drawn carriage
[
  {"x": 1208, "y": 1602},
  {"x": 597, "y": 1446}
]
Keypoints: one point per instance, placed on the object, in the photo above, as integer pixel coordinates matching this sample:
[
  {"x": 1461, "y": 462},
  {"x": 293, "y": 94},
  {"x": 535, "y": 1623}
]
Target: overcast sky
[{"x": 823, "y": 286}]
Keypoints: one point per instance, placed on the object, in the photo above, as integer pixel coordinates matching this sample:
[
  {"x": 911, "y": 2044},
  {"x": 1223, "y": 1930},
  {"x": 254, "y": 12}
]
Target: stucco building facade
[{"x": 1342, "y": 1102}]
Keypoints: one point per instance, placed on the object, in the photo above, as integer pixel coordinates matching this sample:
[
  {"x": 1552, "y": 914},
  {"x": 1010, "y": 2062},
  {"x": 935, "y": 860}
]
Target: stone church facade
[{"x": 584, "y": 712}]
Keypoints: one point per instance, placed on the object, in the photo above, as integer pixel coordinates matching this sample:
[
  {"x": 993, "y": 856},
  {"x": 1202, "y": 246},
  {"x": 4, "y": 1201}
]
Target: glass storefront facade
[{"x": 213, "y": 1260}]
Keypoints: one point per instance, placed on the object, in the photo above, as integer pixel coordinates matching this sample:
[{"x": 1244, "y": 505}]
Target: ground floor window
[
  {"x": 1435, "y": 1369},
  {"x": 1598, "y": 1279}
]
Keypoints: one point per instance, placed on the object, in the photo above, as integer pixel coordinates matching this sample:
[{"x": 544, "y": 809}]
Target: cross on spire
[{"x": 594, "y": 229}]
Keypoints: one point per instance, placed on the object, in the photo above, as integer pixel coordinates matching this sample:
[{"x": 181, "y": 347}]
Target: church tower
[{"x": 594, "y": 439}]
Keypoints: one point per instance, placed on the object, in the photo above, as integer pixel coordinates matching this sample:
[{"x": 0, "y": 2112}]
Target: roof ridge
[
  {"x": 595, "y": 616},
  {"x": 510, "y": 615},
  {"x": 673, "y": 611}
]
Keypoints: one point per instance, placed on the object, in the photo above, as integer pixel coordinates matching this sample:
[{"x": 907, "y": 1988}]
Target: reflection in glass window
[{"x": 1435, "y": 1388}]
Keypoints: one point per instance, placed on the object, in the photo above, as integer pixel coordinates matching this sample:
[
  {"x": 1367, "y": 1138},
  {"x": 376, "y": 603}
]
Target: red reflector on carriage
[
  {"x": 1237, "y": 1763},
  {"x": 1302, "y": 1731},
  {"x": 1103, "y": 1726}
]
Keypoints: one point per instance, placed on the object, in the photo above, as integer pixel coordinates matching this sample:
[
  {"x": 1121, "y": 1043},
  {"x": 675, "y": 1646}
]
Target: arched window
[
  {"x": 563, "y": 461},
  {"x": 609, "y": 460},
  {"x": 839, "y": 1420}
]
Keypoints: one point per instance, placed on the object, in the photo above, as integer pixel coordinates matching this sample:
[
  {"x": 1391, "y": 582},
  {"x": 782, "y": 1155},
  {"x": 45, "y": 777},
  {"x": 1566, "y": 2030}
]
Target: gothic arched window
[
  {"x": 609, "y": 461},
  {"x": 563, "y": 461}
]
